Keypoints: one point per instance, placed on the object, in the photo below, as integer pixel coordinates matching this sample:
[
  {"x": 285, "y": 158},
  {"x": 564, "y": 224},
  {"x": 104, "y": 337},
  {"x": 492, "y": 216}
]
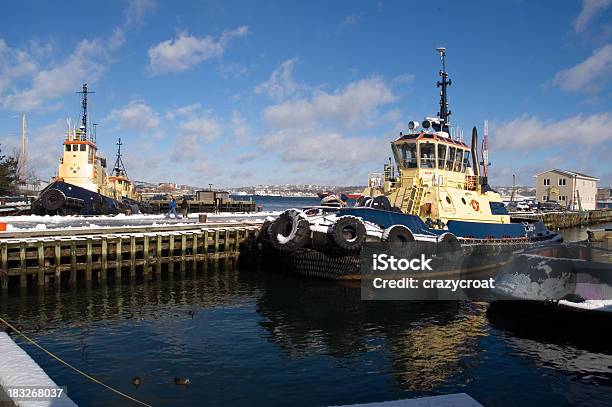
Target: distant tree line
[{"x": 9, "y": 176}]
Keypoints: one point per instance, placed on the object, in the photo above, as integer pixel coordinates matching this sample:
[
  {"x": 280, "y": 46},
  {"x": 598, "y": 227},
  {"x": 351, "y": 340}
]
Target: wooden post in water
[
  {"x": 158, "y": 252},
  {"x": 4, "y": 276},
  {"x": 23, "y": 277},
  {"x": 73, "y": 264},
  {"x": 194, "y": 252},
  {"x": 132, "y": 256},
  {"x": 205, "y": 242},
  {"x": 145, "y": 256},
  {"x": 216, "y": 241},
  {"x": 183, "y": 250},
  {"x": 171, "y": 253},
  {"x": 41, "y": 262},
  {"x": 88, "y": 265},
  {"x": 103, "y": 257},
  {"x": 118, "y": 257},
  {"x": 58, "y": 262}
]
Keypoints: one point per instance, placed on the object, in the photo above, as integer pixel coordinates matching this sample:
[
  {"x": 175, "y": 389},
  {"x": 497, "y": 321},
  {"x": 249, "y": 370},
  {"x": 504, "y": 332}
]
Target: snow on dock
[
  {"x": 448, "y": 400},
  {"x": 19, "y": 370},
  {"x": 35, "y": 222}
]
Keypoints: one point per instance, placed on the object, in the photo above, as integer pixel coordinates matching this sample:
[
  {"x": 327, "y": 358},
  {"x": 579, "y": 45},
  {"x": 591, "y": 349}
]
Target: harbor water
[{"x": 259, "y": 337}]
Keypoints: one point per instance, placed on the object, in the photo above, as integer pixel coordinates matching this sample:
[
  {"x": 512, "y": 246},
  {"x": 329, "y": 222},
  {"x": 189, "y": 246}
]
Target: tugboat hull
[{"x": 62, "y": 198}]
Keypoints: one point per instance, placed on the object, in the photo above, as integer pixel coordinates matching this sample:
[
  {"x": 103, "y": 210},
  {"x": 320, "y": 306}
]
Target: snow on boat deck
[
  {"x": 18, "y": 369},
  {"x": 448, "y": 400}
]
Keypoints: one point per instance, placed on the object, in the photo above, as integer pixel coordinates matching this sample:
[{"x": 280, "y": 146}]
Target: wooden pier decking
[{"x": 41, "y": 257}]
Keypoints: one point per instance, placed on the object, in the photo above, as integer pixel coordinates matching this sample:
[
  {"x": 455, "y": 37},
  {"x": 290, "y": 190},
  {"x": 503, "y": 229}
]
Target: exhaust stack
[{"x": 475, "y": 152}]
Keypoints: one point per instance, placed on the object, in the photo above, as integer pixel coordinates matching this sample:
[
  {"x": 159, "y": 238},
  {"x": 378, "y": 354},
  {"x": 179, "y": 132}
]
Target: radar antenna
[
  {"x": 444, "y": 112},
  {"x": 119, "y": 168}
]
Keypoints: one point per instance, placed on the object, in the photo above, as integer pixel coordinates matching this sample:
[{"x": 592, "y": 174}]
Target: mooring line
[{"x": 93, "y": 379}]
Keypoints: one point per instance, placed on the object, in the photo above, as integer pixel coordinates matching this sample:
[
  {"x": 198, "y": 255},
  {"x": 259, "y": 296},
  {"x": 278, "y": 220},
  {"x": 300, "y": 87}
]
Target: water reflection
[
  {"x": 253, "y": 337},
  {"x": 424, "y": 341}
]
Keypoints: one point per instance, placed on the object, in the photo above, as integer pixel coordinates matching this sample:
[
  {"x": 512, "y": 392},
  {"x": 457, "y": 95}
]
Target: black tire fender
[
  {"x": 381, "y": 202},
  {"x": 348, "y": 233},
  {"x": 290, "y": 231},
  {"x": 53, "y": 199},
  {"x": 449, "y": 248},
  {"x": 400, "y": 239}
]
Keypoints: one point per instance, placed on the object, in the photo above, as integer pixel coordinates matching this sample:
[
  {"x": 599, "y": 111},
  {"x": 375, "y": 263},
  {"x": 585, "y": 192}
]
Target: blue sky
[{"x": 267, "y": 92}]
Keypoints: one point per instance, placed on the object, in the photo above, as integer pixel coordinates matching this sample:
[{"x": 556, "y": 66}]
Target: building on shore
[
  {"x": 604, "y": 198},
  {"x": 568, "y": 188}
]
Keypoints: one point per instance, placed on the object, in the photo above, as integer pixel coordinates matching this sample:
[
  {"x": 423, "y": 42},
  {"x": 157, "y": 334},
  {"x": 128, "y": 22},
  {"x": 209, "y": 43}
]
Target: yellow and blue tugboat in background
[
  {"x": 82, "y": 186},
  {"x": 433, "y": 194}
]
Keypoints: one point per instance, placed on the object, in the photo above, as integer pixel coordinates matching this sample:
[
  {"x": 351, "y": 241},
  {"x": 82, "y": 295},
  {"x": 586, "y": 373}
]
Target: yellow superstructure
[
  {"x": 83, "y": 166},
  {"x": 435, "y": 179},
  {"x": 436, "y": 176},
  {"x": 80, "y": 163}
]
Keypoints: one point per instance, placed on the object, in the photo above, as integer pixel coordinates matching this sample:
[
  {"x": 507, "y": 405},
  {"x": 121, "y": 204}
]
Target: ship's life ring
[
  {"x": 290, "y": 231},
  {"x": 348, "y": 233},
  {"x": 475, "y": 205},
  {"x": 400, "y": 240}
]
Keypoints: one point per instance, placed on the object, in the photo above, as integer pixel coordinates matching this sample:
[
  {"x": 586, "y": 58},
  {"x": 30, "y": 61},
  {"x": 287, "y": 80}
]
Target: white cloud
[
  {"x": 281, "y": 83},
  {"x": 43, "y": 148},
  {"x": 591, "y": 74},
  {"x": 356, "y": 103},
  {"x": 326, "y": 149},
  {"x": 590, "y": 9},
  {"x": 137, "y": 9},
  {"x": 187, "y": 51},
  {"x": 183, "y": 111},
  {"x": 351, "y": 19},
  {"x": 14, "y": 64},
  {"x": 200, "y": 129},
  {"x": 86, "y": 63},
  {"x": 531, "y": 132},
  {"x": 135, "y": 116},
  {"x": 240, "y": 128}
]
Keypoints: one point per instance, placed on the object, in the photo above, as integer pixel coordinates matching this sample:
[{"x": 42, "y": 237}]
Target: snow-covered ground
[
  {"x": 35, "y": 222},
  {"x": 18, "y": 369}
]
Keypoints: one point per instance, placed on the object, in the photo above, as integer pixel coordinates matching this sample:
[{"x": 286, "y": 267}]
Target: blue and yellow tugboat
[
  {"x": 82, "y": 186},
  {"x": 434, "y": 194}
]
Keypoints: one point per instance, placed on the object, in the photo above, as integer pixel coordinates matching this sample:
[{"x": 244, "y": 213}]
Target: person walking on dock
[
  {"x": 185, "y": 207},
  {"x": 172, "y": 207}
]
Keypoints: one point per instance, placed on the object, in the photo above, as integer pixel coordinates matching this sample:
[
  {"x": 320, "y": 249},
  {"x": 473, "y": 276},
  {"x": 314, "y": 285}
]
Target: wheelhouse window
[
  {"x": 466, "y": 161},
  {"x": 452, "y": 152},
  {"x": 409, "y": 155},
  {"x": 458, "y": 160},
  {"x": 67, "y": 147},
  {"x": 83, "y": 147},
  {"x": 428, "y": 155},
  {"x": 441, "y": 155},
  {"x": 75, "y": 147}
]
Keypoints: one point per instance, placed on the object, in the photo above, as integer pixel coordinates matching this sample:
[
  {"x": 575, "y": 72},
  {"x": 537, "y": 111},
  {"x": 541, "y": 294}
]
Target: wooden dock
[
  {"x": 42, "y": 257},
  {"x": 561, "y": 220}
]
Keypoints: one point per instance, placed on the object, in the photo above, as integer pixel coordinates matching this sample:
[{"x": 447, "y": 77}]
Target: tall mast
[
  {"x": 119, "y": 168},
  {"x": 84, "y": 92},
  {"x": 444, "y": 112},
  {"x": 23, "y": 148}
]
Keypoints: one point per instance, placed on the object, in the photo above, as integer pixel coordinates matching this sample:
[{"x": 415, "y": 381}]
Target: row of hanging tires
[{"x": 291, "y": 231}]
